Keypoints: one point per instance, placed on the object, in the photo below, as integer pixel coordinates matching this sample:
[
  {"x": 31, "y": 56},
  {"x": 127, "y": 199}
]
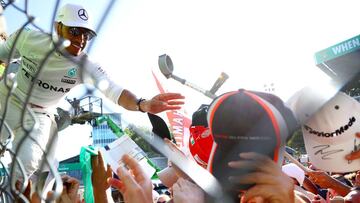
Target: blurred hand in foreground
[
  {"x": 185, "y": 191},
  {"x": 134, "y": 185},
  {"x": 271, "y": 184},
  {"x": 99, "y": 178}
]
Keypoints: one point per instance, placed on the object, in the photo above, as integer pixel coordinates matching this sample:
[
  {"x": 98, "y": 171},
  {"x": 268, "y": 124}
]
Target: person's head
[
  {"x": 330, "y": 133},
  {"x": 246, "y": 121},
  {"x": 200, "y": 140},
  {"x": 74, "y": 24},
  {"x": 155, "y": 195},
  {"x": 163, "y": 198}
]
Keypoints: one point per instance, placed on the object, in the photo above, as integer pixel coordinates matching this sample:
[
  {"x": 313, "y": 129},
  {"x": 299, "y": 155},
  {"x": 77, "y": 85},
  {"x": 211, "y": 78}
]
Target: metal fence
[
  {"x": 12, "y": 189},
  {"x": 14, "y": 177}
]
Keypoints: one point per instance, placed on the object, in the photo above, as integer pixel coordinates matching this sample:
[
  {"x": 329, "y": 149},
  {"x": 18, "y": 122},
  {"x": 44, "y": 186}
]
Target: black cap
[{"x": 247, "y": 121}]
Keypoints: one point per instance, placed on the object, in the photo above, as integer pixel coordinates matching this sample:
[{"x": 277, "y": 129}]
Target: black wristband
[{"x": 138, "y": 104}]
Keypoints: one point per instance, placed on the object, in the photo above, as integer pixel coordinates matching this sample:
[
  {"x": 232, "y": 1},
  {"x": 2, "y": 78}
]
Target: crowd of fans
[
  {"x": 254, "y": 176},
  {"x": 240, "y": 138}
]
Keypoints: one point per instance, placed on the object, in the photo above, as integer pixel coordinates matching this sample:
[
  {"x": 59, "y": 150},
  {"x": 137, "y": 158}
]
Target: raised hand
[
  {"x": 271, "y": 184},
  {"x": 70, "y": 190},
  {"x": 163, "y": 102},
  {"x": 185, "y": 191},
  {"x": 318, "y": 199},
  {"x": 134, "y": 185},
  {"x": 99, "y": 178}
]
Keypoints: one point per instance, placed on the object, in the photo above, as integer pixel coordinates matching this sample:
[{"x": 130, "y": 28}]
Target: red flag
[{"x": 179, "y": 121}]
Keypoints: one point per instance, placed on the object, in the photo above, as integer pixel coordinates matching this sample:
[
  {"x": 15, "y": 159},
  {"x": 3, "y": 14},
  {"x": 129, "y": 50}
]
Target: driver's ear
[{"x": 58, "y": 27}]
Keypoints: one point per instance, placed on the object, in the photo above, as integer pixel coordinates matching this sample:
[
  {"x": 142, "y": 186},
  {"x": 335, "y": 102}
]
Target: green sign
[
  {"x": 337, "y": 50},
  {"x": 69, "y": 167}
]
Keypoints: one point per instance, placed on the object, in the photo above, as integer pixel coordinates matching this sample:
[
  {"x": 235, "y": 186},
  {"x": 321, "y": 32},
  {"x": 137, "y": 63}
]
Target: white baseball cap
[
  {"x": 329, "y": 134},
  {"x": 73, "y": 15},
  {"x": 307, "y": 101},
  {"x": 294, "y": 171}
]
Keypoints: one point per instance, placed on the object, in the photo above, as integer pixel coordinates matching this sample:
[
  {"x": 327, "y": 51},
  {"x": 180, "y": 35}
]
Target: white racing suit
[
  {"x": 57, "y": 76},
  {"x": 32, "y": 149}
]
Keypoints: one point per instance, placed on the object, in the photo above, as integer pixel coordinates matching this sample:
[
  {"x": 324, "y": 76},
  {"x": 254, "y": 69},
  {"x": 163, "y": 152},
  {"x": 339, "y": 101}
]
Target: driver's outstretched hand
[{"x": 163, "y": 102}]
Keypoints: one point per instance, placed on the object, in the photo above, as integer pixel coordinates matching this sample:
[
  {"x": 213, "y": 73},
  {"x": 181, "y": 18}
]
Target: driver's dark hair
[{"x": 199, "y": 117}]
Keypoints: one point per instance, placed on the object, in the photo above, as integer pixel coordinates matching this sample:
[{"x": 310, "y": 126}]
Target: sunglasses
[{"x": 75, "y": 31}]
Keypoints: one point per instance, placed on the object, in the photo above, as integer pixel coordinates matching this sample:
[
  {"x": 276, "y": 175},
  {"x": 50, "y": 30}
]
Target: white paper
[{"x": 125, "y": 145}]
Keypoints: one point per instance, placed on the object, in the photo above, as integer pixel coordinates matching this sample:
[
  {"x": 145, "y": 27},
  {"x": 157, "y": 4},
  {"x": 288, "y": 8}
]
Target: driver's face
[{"x": 78, "y": 38}]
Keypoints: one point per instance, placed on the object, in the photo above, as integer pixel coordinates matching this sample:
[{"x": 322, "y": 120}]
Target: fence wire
[
  {"x": 11, "y": 189},
  {"x": 13, "y": 185},
  {"x": 14, "y": 178}
]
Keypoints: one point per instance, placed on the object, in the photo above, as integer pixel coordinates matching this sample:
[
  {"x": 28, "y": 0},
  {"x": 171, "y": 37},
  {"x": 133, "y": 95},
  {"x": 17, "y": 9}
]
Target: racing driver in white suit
[{"x": 47, "y": 79}]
